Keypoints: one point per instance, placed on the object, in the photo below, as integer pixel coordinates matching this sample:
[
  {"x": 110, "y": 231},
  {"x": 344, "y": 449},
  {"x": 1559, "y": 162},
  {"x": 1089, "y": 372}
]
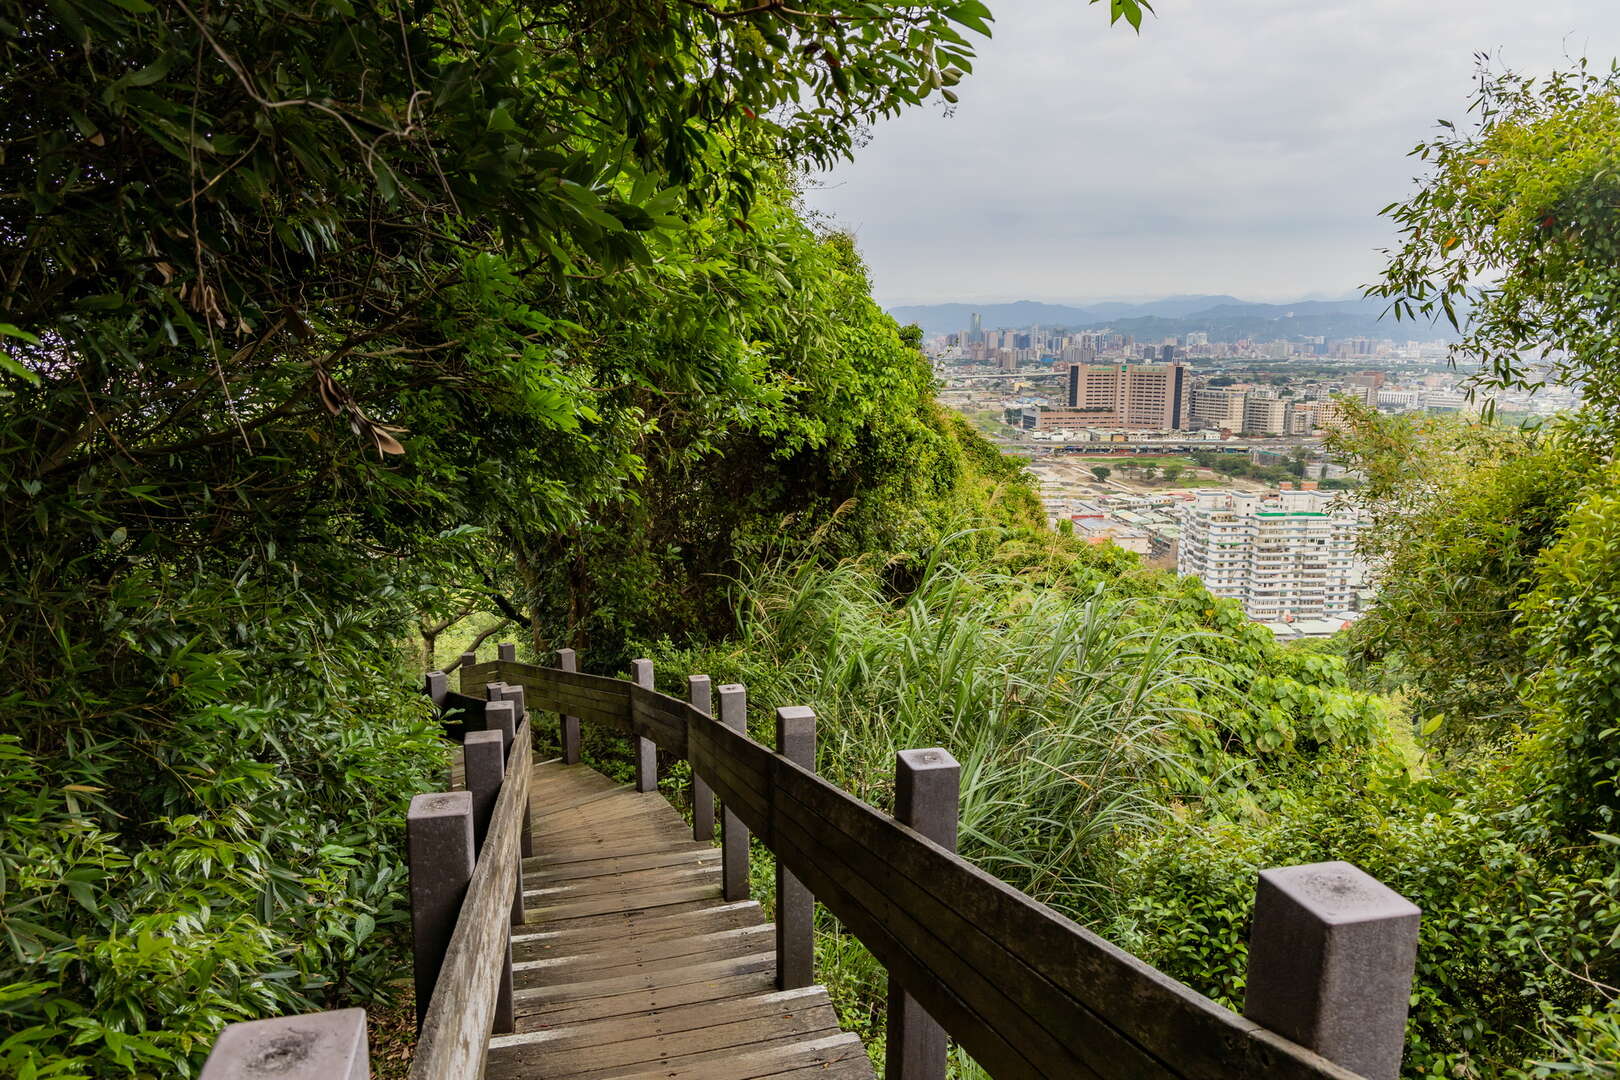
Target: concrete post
[
  {"x": 568, "y": 660},
  {"x": 486, "y": 771},
  {"x": 518, "y": 696},
  {"x": 437, "y": 686},
  {"x": 439, "y": 836},
  {"x": 700, "y": 694},
  {"x": 1331, "y": 956},
  {"x": 501, "y": 716},
  {"x": 316, "y": 1046},
  {"x": 641, "y": 673},
  {"x": 468, "y": 659},
  {"x": 795, "y": 907},
  {"x": 926, "y": 791},
  {"x": 733, "y": 833},
  {"x": 483, "y": 753},
  {"x": 506, "y": 651}
]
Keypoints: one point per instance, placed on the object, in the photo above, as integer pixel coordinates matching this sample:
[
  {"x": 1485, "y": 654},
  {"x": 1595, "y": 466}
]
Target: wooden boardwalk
[{"x": 631, "y": 964}]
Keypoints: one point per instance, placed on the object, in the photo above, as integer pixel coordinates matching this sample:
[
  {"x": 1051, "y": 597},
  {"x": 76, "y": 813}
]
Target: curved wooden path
[{"x": 631, "y": 964}]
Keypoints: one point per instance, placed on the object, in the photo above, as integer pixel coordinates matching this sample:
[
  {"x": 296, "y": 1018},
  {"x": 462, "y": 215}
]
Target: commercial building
[
  {"x": 1146, "y": 397},
  {"x": 1217, "y": 407},
  {"x": 1265, "y": 416},
  {"x": 1286, "y": 555}
]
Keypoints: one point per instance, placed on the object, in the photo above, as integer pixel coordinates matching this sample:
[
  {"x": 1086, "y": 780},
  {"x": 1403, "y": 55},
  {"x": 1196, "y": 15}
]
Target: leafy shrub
[{"x": 1509, "y": 929}]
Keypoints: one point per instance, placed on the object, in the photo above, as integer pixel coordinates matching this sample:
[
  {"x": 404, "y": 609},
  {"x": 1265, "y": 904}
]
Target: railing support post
[
  {"x": 437, "y": 685},
  {"x": 700, "y": 694},
  {"x": 506, "y": 651},
  {"x": 795, "y": 907},
  {"x": 641, "y": 673},
  {"x": 439, "y": 835},
  {"x": 927, "y": 787},
  {"x": 519, "y": 697},
  {"x": 468, "y": 659},
  {"x": 485, "y": 756},
  {"x": 733, "y": 833},
  {"x": 315, "y": 1046},
  {"x": 568, "y": 660},
  {"x": 1331, "y": 956},
  {"x": 501, "y": 716}
]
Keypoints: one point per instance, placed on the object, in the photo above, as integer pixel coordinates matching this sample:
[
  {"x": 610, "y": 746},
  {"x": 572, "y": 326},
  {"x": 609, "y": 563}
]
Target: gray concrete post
[
  {"x": 1331, "y": 955},
  {"x": 468, "y": 659},
  {"x": 439, "y": 838},
  {"x": 795, "y": 907},
  {"x": 733, "y": 833},
  {"x": 518, "y": 696},
  {"x": 486, "y": 771},
  {"x": 315, "y": 1046},
  {"x": 927, "y": 787},
  {"x": 501, "y": 716},
  {"x": 700, "y": 694},
  {"x": 641, "y": 673},
  {"x": 568, "y": 660},
  {"x": 437, "y": 685},
  {"x": 483, "y": 752},
  {"x": 506, "y": 651}
]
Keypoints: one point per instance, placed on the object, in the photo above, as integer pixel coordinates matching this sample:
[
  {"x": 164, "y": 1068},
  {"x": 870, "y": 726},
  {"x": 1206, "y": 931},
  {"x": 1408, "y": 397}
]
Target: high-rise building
[
  {"x": 1141, "y": 396},
  {"x": 1264, "y": 416},
  {"x": 1216, "y": 407},
  {"x": 1285, "y": 555},
  {"x": 975, "y": 328}
]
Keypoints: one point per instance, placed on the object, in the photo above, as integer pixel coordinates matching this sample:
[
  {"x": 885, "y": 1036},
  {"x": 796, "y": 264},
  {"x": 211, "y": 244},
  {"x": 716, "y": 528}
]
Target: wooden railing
[
  {"x": 1024, "y": 990},
  {"x": 1027, "y": 992}
]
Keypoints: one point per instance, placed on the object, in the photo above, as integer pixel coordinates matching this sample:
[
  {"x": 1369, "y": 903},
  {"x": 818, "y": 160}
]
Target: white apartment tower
[{"x": 1284, "y": 555}]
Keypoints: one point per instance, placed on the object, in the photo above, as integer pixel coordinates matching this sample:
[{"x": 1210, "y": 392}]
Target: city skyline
[{"x": 1233, "y": 147}]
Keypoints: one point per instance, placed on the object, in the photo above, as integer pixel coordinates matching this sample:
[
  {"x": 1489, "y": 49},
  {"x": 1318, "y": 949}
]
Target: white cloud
[{"x": 1240, "y": 146}]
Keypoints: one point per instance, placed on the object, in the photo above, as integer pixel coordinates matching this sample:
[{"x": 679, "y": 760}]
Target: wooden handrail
[
  {"x": 1026, "y": 991},
  {"x": 455, "y": 1032}
]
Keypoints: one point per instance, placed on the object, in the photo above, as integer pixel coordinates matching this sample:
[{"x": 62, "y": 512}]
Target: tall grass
[{"x": 1061, "y": 703}]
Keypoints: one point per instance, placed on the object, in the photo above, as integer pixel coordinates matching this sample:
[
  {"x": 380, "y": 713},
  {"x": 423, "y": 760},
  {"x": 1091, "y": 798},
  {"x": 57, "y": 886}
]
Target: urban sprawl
[{"x": 1205, "y": 457}]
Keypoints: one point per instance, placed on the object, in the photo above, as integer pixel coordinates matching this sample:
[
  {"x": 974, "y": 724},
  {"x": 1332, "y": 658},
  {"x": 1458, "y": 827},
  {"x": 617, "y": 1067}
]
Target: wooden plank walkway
[{"x": 632, "y": 965}]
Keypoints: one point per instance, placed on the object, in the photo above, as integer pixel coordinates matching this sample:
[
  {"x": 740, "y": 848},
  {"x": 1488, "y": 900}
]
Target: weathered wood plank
[
  {"x": 735, "y": 1063},
  {"x": 455, "y": 1033},
  {"x": 599, "y": 959},
  {"x": 703, "y": 855},
  {"x": 631, "y": 881},
  {"x": 561, "y": 1039},
  {"x": 541, "y": 1062},
  {"x": 650, "y": 926},
  {"x": 542, "y": 912},
  {"x": 531, "y": 1016}
]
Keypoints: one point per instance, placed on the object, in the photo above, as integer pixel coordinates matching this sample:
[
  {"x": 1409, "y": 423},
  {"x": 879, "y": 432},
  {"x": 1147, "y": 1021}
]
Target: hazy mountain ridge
[{"x": 1224, "y": 318}]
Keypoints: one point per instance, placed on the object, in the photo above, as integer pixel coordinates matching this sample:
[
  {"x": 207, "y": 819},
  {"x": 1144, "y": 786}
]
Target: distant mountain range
[{"x": 1224, "y": 318}]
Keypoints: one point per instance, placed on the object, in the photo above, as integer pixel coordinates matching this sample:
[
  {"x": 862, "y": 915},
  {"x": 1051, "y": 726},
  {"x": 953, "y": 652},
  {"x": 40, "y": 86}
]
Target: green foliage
[
  {"x": 309, "y": 313},
  {"x": 1514, "y": 231},
  {"x": 1572, "y": 624},
  {"x": 1511, "y": 931},
  {"x": 1459, "y": 511},
  {"x": 1084, "y": 697},
  {"x": 853, "y": 457}
]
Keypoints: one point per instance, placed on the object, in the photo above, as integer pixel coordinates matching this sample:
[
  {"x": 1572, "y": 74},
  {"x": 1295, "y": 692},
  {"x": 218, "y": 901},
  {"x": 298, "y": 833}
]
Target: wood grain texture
[
  {"x": 631, "y": 964},
  {"x": 455, "y": 1033},
  {"x": 1026, "y": 991}
]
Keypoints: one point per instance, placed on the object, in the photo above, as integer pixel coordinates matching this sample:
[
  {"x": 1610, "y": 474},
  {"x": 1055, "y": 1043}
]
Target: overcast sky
[{"x": 1236, "y": 146}]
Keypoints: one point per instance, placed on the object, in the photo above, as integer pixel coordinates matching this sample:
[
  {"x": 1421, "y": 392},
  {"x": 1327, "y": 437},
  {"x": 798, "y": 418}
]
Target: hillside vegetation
[{"x": 330, "y": 330}]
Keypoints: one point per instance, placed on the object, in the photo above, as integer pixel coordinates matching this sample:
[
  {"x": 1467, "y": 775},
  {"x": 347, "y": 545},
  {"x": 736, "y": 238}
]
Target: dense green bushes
[{"x": 226, "y": 842}]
